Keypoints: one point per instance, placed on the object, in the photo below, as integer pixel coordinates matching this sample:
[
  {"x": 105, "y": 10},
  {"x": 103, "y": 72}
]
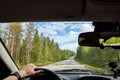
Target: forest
[
  {"x": 27, "y": 45},
  {"x": 99, "y": 58}
]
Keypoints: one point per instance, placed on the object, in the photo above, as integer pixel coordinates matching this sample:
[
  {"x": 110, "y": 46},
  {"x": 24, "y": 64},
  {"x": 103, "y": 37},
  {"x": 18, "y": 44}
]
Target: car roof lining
[
  {"x": 40, "y": 10},
  {"x": 59, "y": 10}
]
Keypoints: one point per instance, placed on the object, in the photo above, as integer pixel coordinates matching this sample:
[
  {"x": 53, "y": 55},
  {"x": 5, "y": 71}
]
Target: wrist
[
  {"x": 22, "y": 74},
  {"x": 17, "y": 75}
]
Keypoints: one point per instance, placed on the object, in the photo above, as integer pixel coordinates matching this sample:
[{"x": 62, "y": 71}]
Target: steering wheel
[{"x": 46, "y": 75}]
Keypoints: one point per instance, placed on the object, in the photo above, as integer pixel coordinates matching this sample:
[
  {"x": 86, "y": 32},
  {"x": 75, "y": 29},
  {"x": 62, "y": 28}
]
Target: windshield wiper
[{"x": 73, "y": 70}]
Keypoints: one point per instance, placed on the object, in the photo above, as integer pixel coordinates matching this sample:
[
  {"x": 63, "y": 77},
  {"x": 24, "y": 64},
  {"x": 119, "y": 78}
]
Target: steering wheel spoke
[{"x": 48, "y": 74}]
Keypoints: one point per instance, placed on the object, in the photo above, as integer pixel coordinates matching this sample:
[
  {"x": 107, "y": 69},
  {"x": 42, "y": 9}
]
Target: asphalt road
[
  {"x": 69, "y": 64},
  {"x": 66, "y": 64}
]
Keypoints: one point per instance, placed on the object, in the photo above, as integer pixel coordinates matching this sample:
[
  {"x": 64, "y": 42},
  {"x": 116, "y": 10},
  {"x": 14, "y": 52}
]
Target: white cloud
[
  {"x": 47, "y": 30},
  {"x": 70, "y": 46},
  {"x": 51, "y": 27},
  {"x": 86, "y": 27},
  {"x": 68, "y": 39},
  {"x": 71, "y": 36},
  {"x": 83, "y": 26}
]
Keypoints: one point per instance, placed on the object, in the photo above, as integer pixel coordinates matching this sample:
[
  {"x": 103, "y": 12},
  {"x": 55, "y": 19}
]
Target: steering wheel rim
[{"x": 52, "y": 75}]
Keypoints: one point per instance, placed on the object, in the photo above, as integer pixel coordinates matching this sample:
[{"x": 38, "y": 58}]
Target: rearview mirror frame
[{"x": 91, "y": 39}]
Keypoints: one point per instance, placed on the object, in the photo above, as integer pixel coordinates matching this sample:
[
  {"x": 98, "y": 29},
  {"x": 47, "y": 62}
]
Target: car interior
[{"x": 104, "y": 14}]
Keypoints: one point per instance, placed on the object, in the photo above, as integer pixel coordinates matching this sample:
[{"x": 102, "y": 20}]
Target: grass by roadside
[
  {"x": 96, "y": 70},
  {"x": 37, "y": 64}
]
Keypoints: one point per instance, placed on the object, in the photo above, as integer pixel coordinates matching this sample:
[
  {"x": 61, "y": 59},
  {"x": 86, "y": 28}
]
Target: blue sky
[{"x": 64, "y": 33}]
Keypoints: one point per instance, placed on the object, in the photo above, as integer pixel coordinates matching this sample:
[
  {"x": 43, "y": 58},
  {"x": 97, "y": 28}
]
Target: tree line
[
  {"x": 26, "y": 45},
  {"x": 96, "y": 57}
]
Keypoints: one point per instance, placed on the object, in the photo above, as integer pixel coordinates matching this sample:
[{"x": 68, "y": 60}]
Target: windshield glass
[{"x": 54, "y": 45}]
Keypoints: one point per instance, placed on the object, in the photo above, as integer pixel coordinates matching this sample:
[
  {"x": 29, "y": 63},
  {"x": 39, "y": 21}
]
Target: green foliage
[
  {"x": 36, "y": 48},
  {"x": 22, "y": 59},
  {"x": 15, "y": 30},
  {"x": 97, "y": 57},
  {"x": 30, "y": 47},
  {"x": 113, "y": 40}
]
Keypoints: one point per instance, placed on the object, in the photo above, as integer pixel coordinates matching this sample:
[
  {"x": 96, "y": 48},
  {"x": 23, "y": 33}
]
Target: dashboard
[
  {"x": 73, "y": 76},
  {"x": 83, "y": 77}
]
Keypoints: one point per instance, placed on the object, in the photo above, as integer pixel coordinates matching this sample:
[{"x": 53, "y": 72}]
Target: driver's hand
[{"x": 28, "y": 70}]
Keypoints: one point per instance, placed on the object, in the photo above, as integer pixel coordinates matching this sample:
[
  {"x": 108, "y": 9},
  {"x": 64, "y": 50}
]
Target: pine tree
[
  {"x": 15, "y": 30},
  {"x": 29, "y": 36},
  {"x": 36, "y": 48},
  {"x": 23, "y": 52}
]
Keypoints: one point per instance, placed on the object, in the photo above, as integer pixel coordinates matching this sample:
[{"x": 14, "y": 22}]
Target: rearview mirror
[{"x": 100, "y": 39}]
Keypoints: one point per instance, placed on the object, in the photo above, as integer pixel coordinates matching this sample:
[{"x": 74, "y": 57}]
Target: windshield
[{"x": 54, "y": 45}]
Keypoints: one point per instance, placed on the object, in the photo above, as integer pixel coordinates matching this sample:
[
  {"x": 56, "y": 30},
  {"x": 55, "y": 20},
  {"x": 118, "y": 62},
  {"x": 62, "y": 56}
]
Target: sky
[{"x": 64, "y": 33}]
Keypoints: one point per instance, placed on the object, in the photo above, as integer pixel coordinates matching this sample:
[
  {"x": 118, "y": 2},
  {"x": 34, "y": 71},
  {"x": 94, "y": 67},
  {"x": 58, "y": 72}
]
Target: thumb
[{"x": 39, "y": 71}]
